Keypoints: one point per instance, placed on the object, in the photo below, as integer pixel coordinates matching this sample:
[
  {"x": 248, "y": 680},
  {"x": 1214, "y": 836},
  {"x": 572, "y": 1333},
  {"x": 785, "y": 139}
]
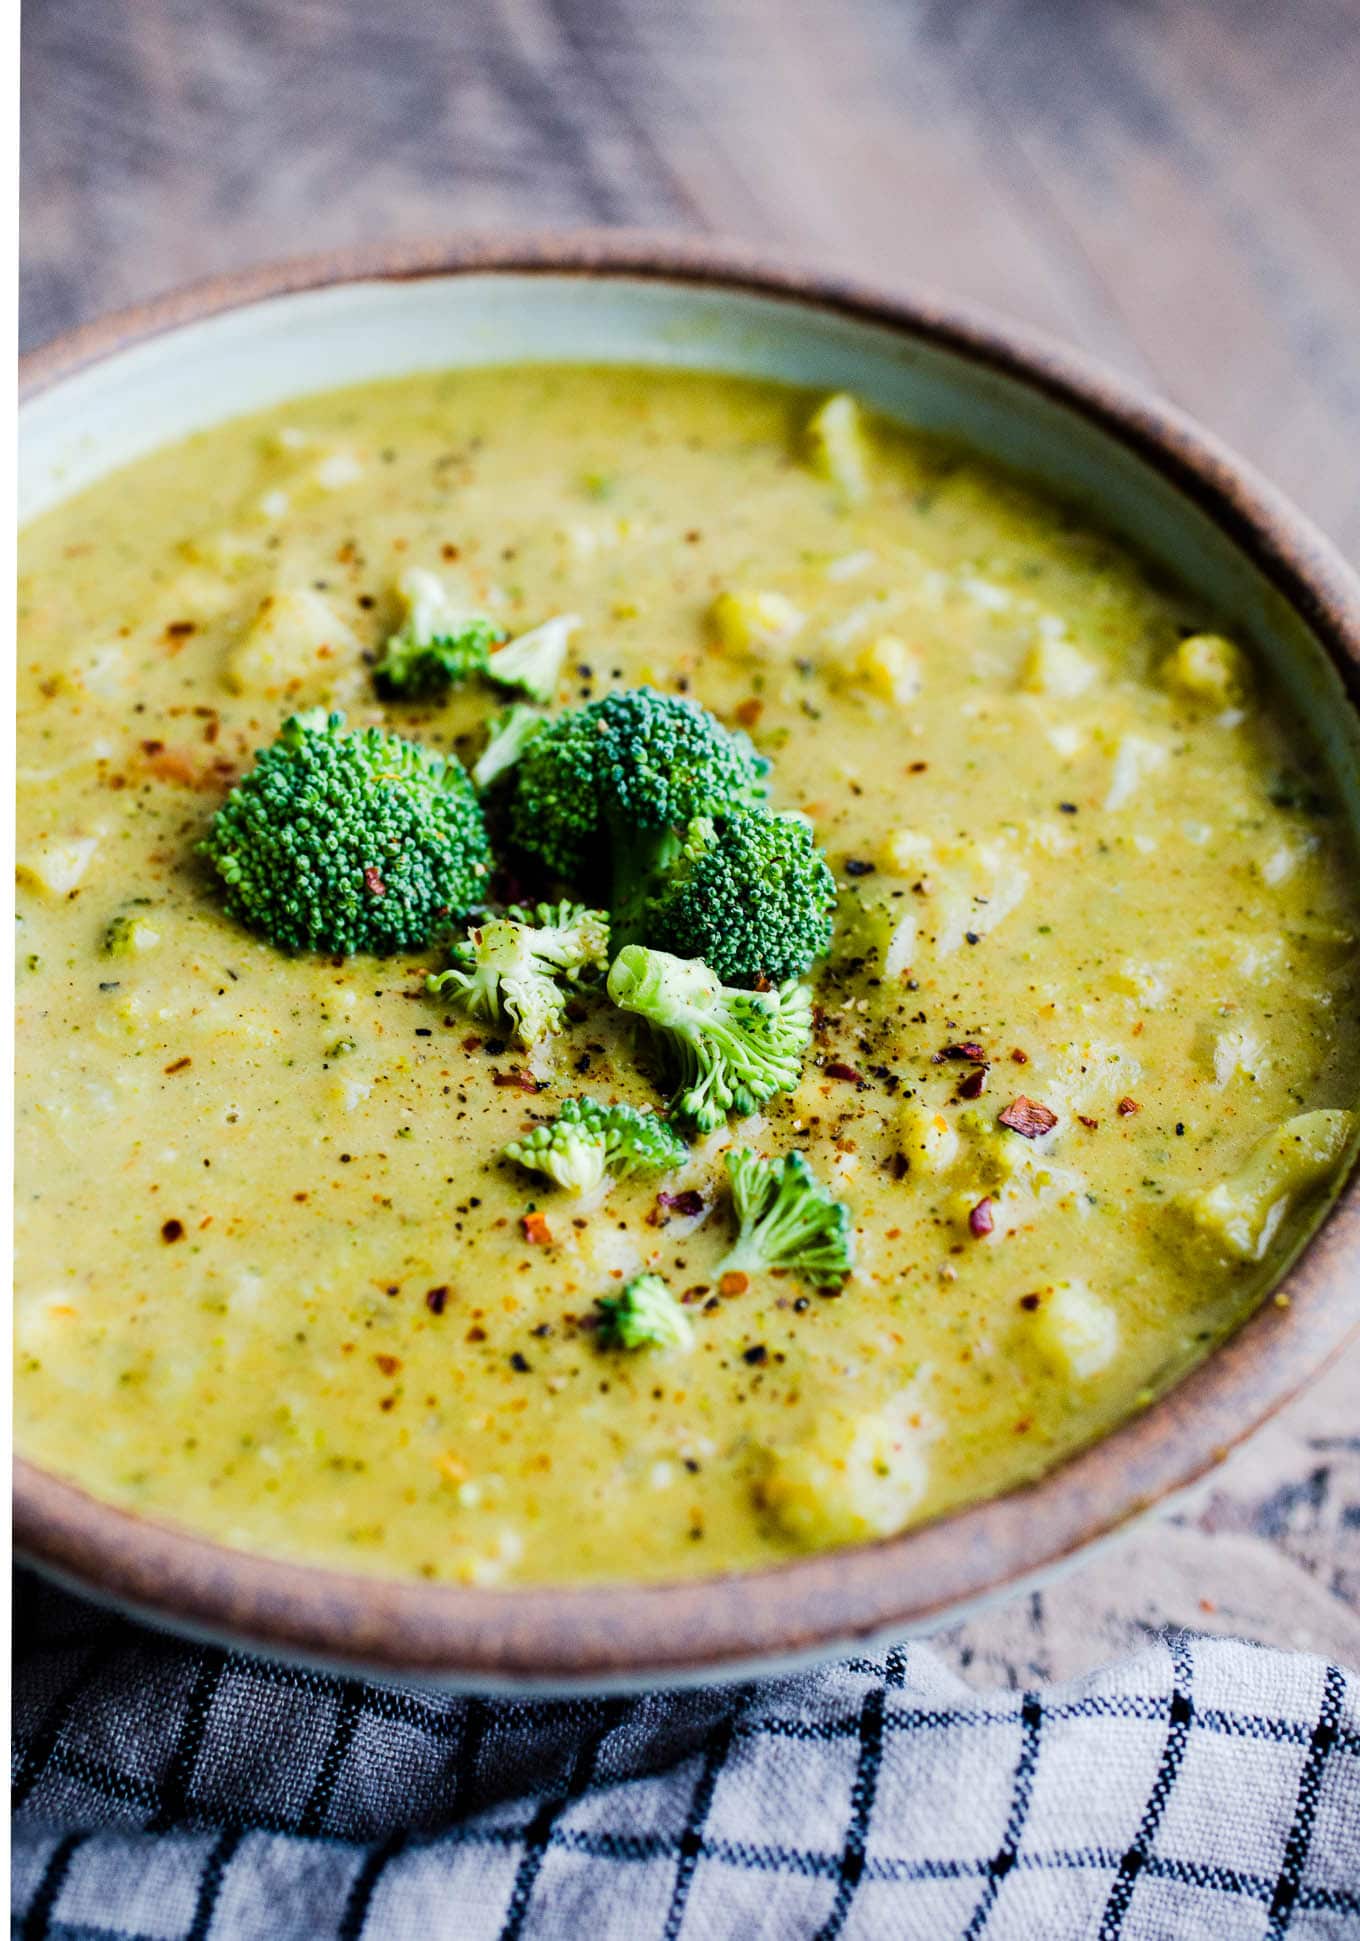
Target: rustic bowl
[{"x": 107, "y": 393}]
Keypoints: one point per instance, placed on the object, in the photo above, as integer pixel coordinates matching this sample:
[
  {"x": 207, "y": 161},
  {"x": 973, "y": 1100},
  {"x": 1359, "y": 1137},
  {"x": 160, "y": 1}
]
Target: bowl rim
[{"x": 598, "y": 1634}]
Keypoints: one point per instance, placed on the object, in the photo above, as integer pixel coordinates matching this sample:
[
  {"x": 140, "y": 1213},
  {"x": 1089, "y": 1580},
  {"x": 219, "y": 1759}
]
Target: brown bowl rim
[{"x": 621, "y": 1632}]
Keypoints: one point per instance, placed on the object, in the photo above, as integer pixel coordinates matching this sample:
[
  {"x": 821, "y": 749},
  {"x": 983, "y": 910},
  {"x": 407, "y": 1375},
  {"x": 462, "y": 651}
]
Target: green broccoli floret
[
  {"x": 438, "y": 645},
  {"x": 750, "y": 893},
  {"x": 129, "y": 932},
  {"x": 532, "y": 662},
  {"x": 508, "y": 735},
  {"x": 645, "y": 1315},
  {"x": 732, "y": 1049},
  {"x": 349, "y": 842},
  {"x": 588, "y": 1142},
  {"x": 787, "y": 1219},
  {"x": 627, "y": 774},
  {"x": 511, "y": 970}
]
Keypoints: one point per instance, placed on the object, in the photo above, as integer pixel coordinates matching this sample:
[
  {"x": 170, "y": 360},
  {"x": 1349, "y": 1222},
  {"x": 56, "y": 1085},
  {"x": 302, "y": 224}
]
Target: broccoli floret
[
  {"x": 349, "y": 842},
  {"x": 511, "y": 969},
  {"x": 588, "y": 1142},
  {"x": 645, "y": 1315},
  {"x": 787, "y": 1219},
  {"x": 750, "y": 893},
  {"x": 532, "y": 662},
  {"x": 732, "y": 1049},
  {"x": 627, "y": 773},
  {"x": 437, "y": 645},
  {"x": 128, "y": 933},
  {"x": 508, "y": 735}
]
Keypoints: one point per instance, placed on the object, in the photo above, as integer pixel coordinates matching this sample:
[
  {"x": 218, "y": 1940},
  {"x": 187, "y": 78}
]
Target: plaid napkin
[{"x": 172, "y": 1792}]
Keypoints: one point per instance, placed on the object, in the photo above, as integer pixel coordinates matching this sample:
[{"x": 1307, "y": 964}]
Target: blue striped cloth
[{"x": 1203, "y": 1790}]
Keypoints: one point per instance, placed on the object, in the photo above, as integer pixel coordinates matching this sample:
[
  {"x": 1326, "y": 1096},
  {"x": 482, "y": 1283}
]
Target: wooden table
[{"x": 1172, "y": 184}]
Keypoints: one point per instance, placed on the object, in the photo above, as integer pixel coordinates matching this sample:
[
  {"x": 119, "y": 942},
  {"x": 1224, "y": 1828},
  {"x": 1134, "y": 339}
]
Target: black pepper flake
[
  {"x": 172, "y": 1230},
  {"x": 436, "y": 1298},
  {"x": 857, "y": 866},
  {"x": 802, "y": 1304},
  {"x": 971, "y": 937},
  {"x": 1068, "y": 808},
  {"x": 424, "y": 1031},
  {"x": 756, "y": 1356},
  {"x": 1180, "y": 1129},
  {"x": 518, "y": 1363}
]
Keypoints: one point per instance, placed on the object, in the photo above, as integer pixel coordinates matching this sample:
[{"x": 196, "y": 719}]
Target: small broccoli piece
[
  {"x": 349, "y": 842},
  {"x": 732, "y": 1049},
  {"x": 511, "y": 969},
  {"x": 128, "y": 933},
  {"x": 750, "y": 894},
  {"x": 508, "y": 735},
  {"x": 787, "y": 1219},
  {"x": 588, "y": 1143},
  {"x": 532, "y": 662},
  {"x": 645, "y": 1315},
  {"x": 627, "y": 773},
  {"x": 437, "y": 645}
]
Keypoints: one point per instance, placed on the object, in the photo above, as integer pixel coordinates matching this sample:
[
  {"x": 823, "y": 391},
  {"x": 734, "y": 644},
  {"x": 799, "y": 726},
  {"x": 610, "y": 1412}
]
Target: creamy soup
[{"x": 1085, "y": 1050}]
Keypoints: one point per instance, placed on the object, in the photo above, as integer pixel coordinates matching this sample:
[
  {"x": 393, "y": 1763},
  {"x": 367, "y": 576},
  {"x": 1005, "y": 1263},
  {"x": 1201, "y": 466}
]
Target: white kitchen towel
[{"x": 1202, "y": 1790}]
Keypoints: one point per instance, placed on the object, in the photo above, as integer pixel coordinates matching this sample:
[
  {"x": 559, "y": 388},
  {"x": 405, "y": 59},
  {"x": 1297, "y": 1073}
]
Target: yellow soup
[{"x": 1085, "y": 1046}]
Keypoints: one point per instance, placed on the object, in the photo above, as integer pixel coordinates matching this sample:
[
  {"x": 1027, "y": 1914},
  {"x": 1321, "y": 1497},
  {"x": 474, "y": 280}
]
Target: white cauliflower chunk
[
  {"x": 1135, "y": 758},
  {"x": 296, "y": 645},
  {"x": 756, "y": 622},
  {"x": 1241, "y": 1215},
  {"x": 57, "y": 868},
  {"x": 1075, "y": 1330},
  {"x": 977, "y": 885},
  {"x": 926, "y": 1139},
  {"x": 888, "y": 667},
  {"x": 854, "y": 1477},
  {"x": 837, "y": 446},
  {"x": 1054, "y": 666},
  {"x": 1209, "y": 669}
]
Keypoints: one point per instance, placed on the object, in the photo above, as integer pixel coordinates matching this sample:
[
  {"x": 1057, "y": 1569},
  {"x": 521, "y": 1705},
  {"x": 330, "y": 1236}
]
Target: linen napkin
[{"x": 167, "y": 1791}]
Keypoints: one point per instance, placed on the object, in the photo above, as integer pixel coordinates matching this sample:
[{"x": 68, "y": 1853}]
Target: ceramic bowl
[{"x": 108, "y": 393}]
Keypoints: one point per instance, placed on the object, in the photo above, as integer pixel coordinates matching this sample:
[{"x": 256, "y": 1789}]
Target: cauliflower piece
[
  {"x": 1209, "y": 669},
  {"x": 906, "y": 852},
  {"x": 1134, "y": 758},
  {"x": 926, "y": 1139},
  {"x": 57, "y": 868},
  {"x": 1240, "y": 1215},
  {"x": 756, "y": 622},
  {"x": 1054, "y": 666},
  {"x": 837, "y": 446},
  {"x": 853, "y": 1478},
  {"x": 1075, "y": 1330},
  {"x": 890, "y": 668},
  {"x": 296, "y": 645}
]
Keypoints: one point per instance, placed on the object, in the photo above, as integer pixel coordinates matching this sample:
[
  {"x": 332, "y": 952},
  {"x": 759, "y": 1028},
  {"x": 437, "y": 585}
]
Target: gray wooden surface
[{"x": 1172, "y": 184}]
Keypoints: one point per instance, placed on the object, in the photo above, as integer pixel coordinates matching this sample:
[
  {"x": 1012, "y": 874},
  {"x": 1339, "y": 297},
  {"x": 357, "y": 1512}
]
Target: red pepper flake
[
  {"x": 750, "y": 712},
  {"x": 980, "y": 1222},
  {"x": 476, "y": 1334},
  {"x": 172, "y": 1230},
  {"x": 389, "y": 1364},
  {"x": 916, "y": 768},
  {"x": 536, "y": 1229},
  {"x": 733, "y": 1284},
  {"x": 1092, "y": 1125},
  {"x": 435, "y": 1299},
  {"x": 181, "y": 629},
  {"x": 974, "y": 1085},
  {"x": 524, "y": 1080},
  {"x": 1019, "y": 1057},
  {"x": 472, "y": 1044},
  {"x": 373, "y": 883},
  {"x": 179, "y": 1065},
  {"x": 1127, "y": 1106},
  {"x": 838, "y": 1070},
  {"x": 1028, "y": 1117}
]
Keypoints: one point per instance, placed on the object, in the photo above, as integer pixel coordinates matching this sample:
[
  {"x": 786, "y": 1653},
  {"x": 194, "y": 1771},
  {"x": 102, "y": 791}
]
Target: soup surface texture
[{"x": 276, "y": 1280}]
